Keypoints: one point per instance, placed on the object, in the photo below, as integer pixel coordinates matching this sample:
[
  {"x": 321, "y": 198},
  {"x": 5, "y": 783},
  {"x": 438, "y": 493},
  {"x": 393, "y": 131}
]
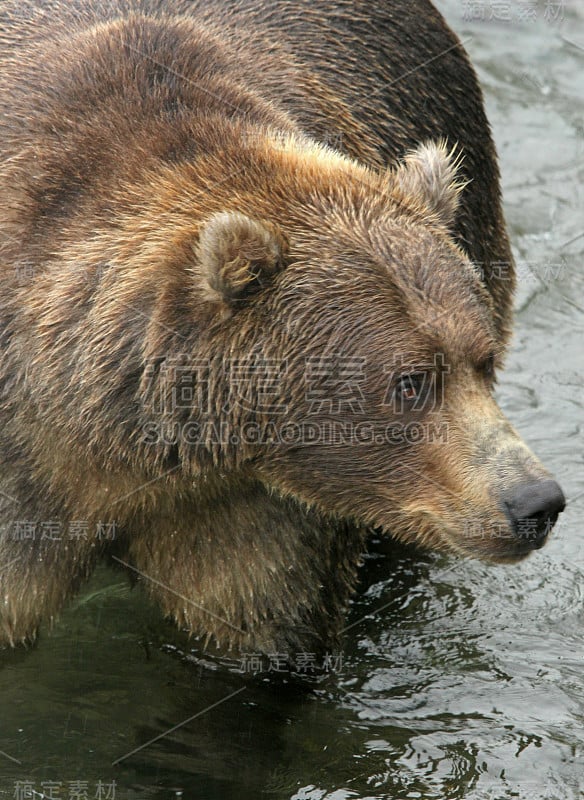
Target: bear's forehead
[
  {"x": 384, "y": 323},
  {"x": 443, "y": 311},
  {"x": 418, "y": 294},
  {"x": 415, "y": 267}
]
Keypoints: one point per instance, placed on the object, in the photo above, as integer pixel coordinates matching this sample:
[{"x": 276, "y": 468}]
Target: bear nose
[{"x": 533, "y": 509}]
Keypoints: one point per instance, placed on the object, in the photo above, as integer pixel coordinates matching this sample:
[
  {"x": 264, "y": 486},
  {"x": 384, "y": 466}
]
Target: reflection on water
[{"x": 457, "y": 679}]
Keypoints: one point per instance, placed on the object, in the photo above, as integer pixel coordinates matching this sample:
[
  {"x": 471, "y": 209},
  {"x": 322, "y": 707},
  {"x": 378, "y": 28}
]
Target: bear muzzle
[{"x": 532, "y": 510}]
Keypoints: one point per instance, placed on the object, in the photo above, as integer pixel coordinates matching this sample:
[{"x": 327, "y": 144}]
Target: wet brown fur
[{"x": 166, "y": 196}]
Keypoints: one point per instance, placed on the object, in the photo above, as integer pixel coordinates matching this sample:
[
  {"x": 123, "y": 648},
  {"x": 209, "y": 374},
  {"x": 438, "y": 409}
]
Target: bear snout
[{"x": 533, "y": 509}]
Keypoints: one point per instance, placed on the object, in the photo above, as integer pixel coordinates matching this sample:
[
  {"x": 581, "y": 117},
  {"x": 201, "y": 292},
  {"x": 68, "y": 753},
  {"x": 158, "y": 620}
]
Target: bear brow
[{"x": 459, "y": 333}]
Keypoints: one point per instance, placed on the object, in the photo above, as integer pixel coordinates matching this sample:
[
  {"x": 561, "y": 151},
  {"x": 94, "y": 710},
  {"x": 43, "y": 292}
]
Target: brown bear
[{"x": 249, "y": 310}]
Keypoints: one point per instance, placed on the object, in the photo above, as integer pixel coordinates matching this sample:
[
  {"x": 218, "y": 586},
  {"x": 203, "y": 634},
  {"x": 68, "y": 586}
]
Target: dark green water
[{"x": 457, "y": 679}]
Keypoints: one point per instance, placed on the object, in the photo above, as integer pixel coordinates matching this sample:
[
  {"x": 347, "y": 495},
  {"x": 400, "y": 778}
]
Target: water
[{"x": 457, "y": 679}]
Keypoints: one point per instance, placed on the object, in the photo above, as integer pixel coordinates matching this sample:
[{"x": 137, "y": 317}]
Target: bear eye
[{"x": 409, "y": 387}]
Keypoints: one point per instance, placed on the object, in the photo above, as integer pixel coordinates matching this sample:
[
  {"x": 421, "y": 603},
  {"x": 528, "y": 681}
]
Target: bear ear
[
  {"x": 429, "y": 174},
  {"x": 238, "y": 256}
]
